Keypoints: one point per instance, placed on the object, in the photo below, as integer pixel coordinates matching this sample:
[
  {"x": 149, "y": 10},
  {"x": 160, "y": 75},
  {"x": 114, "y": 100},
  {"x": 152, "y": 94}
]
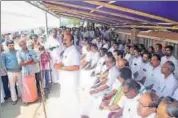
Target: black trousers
[{"x": 38, "y": 79}]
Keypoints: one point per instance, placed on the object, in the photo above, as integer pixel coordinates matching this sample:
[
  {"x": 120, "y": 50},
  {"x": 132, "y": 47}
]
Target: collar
[{"x": 169, "y": 76}]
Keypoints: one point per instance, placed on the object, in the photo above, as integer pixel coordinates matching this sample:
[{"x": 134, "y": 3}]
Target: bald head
[
  {"x": 122, "y": 63},
  {"x": 148, "y": 104}
]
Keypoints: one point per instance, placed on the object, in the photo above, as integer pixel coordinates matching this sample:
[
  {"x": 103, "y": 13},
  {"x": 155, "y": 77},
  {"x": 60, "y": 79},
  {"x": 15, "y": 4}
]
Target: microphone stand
[{"x": 42, "y": 89}]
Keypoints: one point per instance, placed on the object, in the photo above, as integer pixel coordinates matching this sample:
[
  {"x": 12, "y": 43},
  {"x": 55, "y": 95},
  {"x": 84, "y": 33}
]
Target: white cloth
[
  {"x": 136, "y": 64},
  {"x": 85, "y": 34},
  {"x": 121, "y": 47},
  {"x": 88, "y": 57},
  {"x": 151, "y": 115},
  {"x": 112, "y": 76},
  {"x": 75, "y": 40},
  {"x": 174, "y": 60},
  {"x": 111, "y": 50},
  {"x": 91, "y": 34},
  {"x": 2, "y": 93},
  {"x": 2, "y": 71},
  {"x": 99, "y": 45},
  {"x": 55, "y": 55},
  {"x": 106, "y": 46},
  {"x": 99, "y": 65},
  {"x": 129, "y": 58},
  {"x": 167, "y": 86},
  {"x": 175, "y": 95},
  {"x": 153, "y": 76},
  {"x": 13, "y": 78},
  {"x": 94, "y": 58},
  {"x": 130, "y": 108},
  {"x": 69, "y": 81},
  {"x": 143, "y": 70}
]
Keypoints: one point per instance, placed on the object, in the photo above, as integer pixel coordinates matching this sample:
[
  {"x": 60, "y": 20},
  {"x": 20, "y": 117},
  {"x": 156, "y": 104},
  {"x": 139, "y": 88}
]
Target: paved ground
[{"x": 35, "y": 110}]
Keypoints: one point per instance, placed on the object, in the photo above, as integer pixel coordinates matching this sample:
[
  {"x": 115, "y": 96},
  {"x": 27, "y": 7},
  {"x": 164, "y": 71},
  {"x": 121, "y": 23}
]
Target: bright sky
[{"x": 20, "y": 15}]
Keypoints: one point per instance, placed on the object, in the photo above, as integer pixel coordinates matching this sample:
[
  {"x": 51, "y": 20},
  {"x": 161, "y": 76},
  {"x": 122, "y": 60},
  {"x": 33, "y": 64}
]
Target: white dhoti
[
  {"x": 86, "y": 81},
  {"x": 2, "y": 93},
  {"x": 69, "y": 97},
  {"x": 55, "y": 55},
  {"x": 92, "y": 104}
]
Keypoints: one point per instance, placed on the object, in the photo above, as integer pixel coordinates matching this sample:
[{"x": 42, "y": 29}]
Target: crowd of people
[{"x": 120, "y": 79}]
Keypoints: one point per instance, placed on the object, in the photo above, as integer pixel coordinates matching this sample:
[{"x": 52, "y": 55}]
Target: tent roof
[{"x": 152, "y": 13}]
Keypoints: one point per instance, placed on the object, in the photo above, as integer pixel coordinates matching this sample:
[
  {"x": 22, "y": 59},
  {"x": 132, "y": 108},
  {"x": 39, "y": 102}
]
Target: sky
[{"x": 20, "y": 15}]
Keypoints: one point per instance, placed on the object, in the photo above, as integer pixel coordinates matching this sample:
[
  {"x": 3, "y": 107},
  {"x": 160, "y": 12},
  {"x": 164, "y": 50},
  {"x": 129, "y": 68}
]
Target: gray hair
[{"x": 171, "y": 66}]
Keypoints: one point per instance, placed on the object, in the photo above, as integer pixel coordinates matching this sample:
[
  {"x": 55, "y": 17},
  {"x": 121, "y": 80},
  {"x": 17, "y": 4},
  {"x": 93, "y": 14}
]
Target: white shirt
[
  {"x": 136, "y": 64},
  {"x": 99, "y": 45},
  {"x": 116, "y": 85},
  {"x": 92, "y": 34},
  {"x": 112, "y": 76},
  {"x": 143, "y": 70},
  {"x": 130, "y": 108},
  {"x": 100, "y": 64},
  {"x": 121, "y": 47},
  {"x": 175, "y": 95},
  {"x": 75, "y": 40},
  {"x": 71, "y": 57},
  {"x": 94, "y": 58},
  {"x": 153, "y": 76},
  {"x": 88, "y": 57},
  {"x": 151, "y": 115},
  {"x": 111, "y": 50},
  {"x": 167, "y": 86},
  {"x": 106, "y": 46},
  {"x": 129, "y": 58},
  {"x": 55, "y": 53},
  {"x": 174, "y": 60},
  {"x": 85, "y": 34}
]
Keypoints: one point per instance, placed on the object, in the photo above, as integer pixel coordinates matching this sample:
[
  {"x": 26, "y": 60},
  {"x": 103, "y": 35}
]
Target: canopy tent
[
  {"x": 20, "y": 15},
  {"x": 150, "y": 14}
]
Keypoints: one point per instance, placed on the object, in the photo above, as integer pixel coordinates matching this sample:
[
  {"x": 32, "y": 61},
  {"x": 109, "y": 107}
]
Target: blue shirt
[
  {"x": 10, "y": 61},
  {"x": 25, "y": 56}
]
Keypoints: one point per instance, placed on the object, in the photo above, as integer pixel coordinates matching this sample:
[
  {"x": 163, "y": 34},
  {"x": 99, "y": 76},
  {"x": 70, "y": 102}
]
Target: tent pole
[{"x": 46, "y": 24}]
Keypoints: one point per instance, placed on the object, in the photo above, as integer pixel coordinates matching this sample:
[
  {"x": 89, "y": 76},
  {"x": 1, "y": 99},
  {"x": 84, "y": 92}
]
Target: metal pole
[{"x": 46, "y": 25}]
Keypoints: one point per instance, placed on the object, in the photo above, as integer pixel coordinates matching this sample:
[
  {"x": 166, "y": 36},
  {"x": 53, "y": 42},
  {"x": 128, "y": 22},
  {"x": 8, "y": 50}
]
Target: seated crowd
[{"x": 120, "y": 79}]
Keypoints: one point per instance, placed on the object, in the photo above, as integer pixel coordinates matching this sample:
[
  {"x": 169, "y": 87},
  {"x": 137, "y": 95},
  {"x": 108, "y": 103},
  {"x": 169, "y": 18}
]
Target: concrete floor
[
  {"x": 34, "y": 110},
  {"x": 53, "y": 107}
]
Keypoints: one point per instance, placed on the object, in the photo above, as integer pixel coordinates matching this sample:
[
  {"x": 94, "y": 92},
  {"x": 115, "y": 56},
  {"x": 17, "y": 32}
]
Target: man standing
[
  {"x": 54, "y": 44},
  {"x": 154, "y": 75},
  {"x": 158, "y": 50},
  {"x": 27, "y": 60},
  {"x": 69, "y": 73},
  {"x": 169, "y": 57},
  {"x": 12, "y": 68}
]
